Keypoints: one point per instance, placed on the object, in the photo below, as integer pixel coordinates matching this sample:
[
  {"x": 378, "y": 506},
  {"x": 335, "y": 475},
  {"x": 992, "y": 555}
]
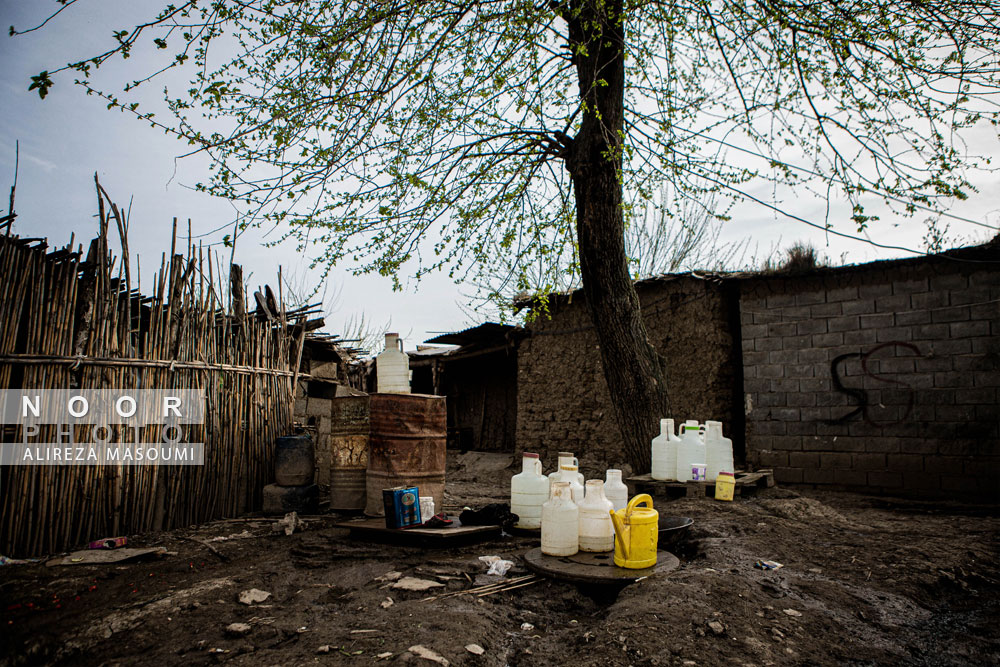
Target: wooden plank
[
  {"x": 374, "y": 530},
  {"x": 747, "y": 483},
  {"x": 600, "y": 569}
]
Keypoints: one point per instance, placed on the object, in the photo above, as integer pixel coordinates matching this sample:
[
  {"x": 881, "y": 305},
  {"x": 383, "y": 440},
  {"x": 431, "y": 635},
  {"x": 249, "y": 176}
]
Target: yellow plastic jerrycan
[{"x": 636, "y": 530}]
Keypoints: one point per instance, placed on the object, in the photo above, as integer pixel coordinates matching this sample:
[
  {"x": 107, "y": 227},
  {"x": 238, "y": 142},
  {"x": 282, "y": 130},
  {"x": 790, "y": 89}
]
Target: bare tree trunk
[{"x": 632, "y": 368}]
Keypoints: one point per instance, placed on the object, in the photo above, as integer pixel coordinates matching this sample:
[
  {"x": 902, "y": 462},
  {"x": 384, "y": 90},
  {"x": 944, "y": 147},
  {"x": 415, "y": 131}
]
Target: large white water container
[
  {"x": 392, "y": 367},
  {"x": 615, "y": 489},
  {"x": 560, "y": 522},
  {"x": 665, "y": 451},
  {"x": 718, "y": 451},
  {"x": 566, "y": 459},
  {"x": 597, "y": 533},
  {"x": 529, "y": 489},
  {"x": 690, "y": 450}
]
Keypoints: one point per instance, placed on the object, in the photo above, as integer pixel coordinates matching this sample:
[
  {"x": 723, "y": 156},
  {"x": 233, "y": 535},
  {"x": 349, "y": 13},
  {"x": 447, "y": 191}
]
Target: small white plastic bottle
[
  {"x": 566, "y": 459},
  {"x": 597, "y": 534},
  {"x": 691, "y": 449},
  {"x": 570, "y": 475},
  {"x": 529, "y": 489},
  {"x": 560, "y": 522},
  {"x": 615, "y": 489},
  {"x": 664, "y": 454}
]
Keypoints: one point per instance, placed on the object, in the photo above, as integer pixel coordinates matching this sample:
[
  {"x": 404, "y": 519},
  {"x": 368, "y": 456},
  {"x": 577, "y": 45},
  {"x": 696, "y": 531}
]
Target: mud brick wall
[
  {"x": 563, "y": 402},
  {"x": 914, "y": 347}
]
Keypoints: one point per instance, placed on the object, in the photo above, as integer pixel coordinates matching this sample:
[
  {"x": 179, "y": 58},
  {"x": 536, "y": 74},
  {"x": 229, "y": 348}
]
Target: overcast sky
[{"x": 68, "y": 136}]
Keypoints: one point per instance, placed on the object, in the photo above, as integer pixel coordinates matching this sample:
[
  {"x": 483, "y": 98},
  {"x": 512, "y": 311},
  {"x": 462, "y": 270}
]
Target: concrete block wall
[
  {"x": 563, "y": 401},
  {"x": 314, "y": 415},
  {"x": 883, "y": 378}
]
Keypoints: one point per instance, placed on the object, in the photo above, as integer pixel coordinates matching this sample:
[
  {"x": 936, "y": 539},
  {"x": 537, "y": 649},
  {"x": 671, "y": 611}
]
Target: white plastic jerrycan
[
  {"x": 570, "y": 475},
  {"x": 392, "y": 367},
  {"x": 718, "y": 451},
  {"x": 664, "y": 455},
  {"x": 529, "y": 489},
  {"x": 690, "y": 450},
  {"x": 560, "y": 522},
  {"x": 566, "y": 459},
  {"x": 615, "y": 489},
  {"x": 597, "y": 533}
]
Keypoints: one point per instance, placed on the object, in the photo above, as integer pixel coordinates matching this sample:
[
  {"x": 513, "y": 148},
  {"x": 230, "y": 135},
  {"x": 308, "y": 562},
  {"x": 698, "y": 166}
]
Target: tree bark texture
[{"x": 632, "y": 368}]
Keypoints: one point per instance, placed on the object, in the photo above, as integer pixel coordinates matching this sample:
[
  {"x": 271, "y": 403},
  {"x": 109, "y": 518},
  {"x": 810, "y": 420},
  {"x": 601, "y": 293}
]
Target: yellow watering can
[{"x": 636, "y": 530}]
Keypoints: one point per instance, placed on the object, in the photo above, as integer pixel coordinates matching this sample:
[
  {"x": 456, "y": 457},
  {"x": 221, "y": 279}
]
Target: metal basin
[{"x": 672, "y": 530}]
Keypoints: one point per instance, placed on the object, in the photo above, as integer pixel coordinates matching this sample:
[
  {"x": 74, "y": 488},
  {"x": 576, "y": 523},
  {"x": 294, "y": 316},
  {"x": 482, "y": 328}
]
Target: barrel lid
[
  {"x": 565, "y": 453},
  {"x": 530, "y": 455},
  {"x": 728, "y": 473}
]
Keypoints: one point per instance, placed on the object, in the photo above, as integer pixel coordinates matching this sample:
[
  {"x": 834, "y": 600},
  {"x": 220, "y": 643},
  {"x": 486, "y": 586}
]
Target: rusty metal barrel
[
  {"x": 406, "y": 446},
  {"x": 348, "y": 448}
]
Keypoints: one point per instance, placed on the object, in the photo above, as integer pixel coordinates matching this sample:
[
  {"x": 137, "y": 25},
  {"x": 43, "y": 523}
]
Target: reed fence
[{"x": 73, "y": 320}]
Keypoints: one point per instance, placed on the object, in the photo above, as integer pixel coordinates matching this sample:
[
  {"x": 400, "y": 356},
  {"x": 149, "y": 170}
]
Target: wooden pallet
[
  {"x": 374, "y": 530},
  {"x": 747, "y": 483}
]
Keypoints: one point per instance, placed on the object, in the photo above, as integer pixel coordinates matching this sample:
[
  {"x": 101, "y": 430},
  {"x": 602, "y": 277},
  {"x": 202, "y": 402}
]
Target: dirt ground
[{"x": 865, "y": 581}]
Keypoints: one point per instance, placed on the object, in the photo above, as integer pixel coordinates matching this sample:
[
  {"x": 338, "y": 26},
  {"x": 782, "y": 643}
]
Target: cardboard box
[{"x": 402, "y": 506}]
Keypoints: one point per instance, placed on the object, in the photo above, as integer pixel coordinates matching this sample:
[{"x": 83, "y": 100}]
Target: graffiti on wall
[{"x": 859, "y": 396}]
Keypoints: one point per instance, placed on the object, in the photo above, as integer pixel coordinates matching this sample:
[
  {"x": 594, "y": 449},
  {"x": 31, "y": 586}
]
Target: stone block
[
  {"x": 859, "y": 307},
  {"x": 783, "y": 357},
  {"x": 990, "y": 345},
  {"x": 913, "y": 317},
  {"x": 771, "y": 371},
  {"x": 800, "y": 428},
  {"x": 875, "y": 289},
  {"x": 785, "y": 385},
  {"x": 323, "y": 369},
  {"x": 851, "y": 477},
  {"x": 948, "y": 282},
  {"x": 781, "y": 329},
  {"x": 888, "y": 480},
  {"x": 892, "y": 304},
  {"x": 910, "y": 286},
  {"x": 919, "y": 446},
  {"x": 803, "y": 459},
  {"x": 808, "y": 327},
  {"x": 929, "y": 300},
  {"x": 925, "y": 482},
  {"x": 800, "y": 371},
  {"x": 810, "y": 298},
  {"x": 787, "y": 442},
  {"x": 318, "y": 407},
  {"x": 868, "y": 461},
  {"x": 811, "y": 355},
  {"x": 905, "y": 462},
  {"x": 835, "y": 460},
  {"x": 845, "y": 293},
  {"x": 953, "y": 314},
  {"x": 859, "y": 337},
  {"x": 827, "y": 340},
  {"x": 818, "y": 476},
  {"x": 969, "y": 329},
  {"x": 772, "y": 459},
  {"x": 779, "y": 300},
  {"x": 879, "y": 321},
  {"x": 976, "y": 396},
  {"x": 801, "y": 400},
  {"x": 785, "y": 414},
  {"x": 942, "y": 348},
  {"x": 823, "y": 310},
  {"x": 788, "y": 475}
]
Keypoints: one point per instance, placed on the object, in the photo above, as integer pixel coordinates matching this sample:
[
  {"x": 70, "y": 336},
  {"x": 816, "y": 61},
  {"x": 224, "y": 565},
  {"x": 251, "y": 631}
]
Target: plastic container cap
[{"x": 530, "y": 455}]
